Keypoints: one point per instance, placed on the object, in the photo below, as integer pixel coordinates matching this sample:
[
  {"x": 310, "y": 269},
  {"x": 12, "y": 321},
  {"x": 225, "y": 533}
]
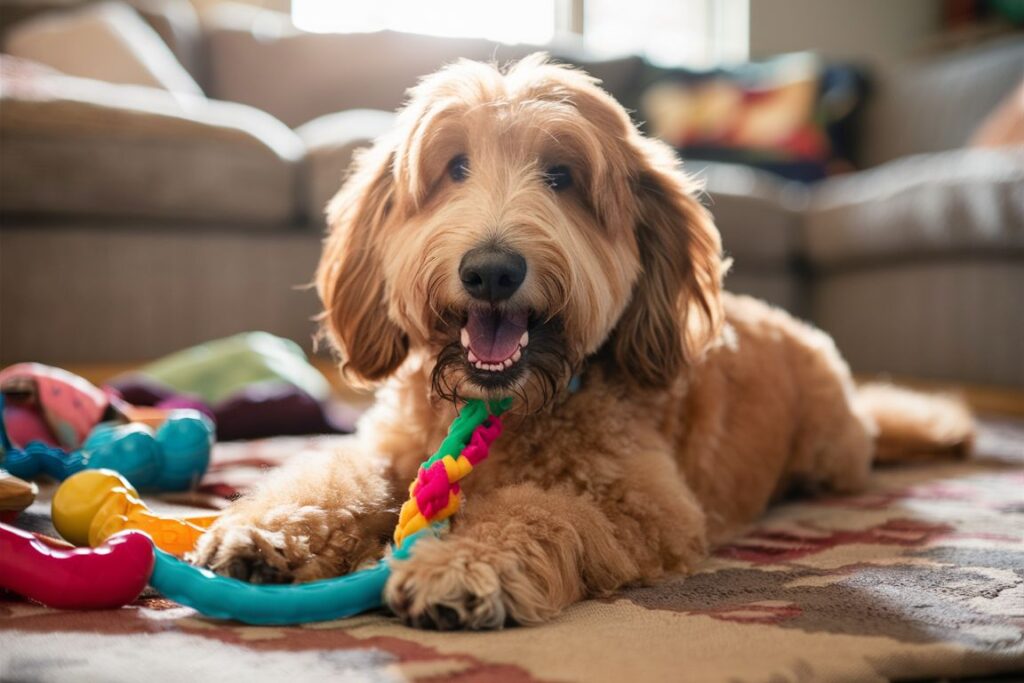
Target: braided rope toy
[{"x": 434, "y": 496}]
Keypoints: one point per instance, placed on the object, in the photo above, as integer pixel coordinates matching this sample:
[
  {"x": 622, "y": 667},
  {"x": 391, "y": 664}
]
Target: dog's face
[{"x": 514, "y": 225}]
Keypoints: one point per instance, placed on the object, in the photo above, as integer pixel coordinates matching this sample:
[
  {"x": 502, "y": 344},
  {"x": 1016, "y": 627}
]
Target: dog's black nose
[{"x": 491, "y": 274}]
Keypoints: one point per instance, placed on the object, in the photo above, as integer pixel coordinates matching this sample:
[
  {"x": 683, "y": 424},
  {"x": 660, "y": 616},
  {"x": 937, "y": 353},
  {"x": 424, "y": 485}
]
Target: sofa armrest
[
  {"x": 757, "y": 213},
  {"x": 330, "y": 142},
  {"x": 758, "y": 216}
]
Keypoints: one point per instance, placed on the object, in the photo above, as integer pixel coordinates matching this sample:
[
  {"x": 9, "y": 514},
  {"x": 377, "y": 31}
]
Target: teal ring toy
[{"x": 267, "y": 605}]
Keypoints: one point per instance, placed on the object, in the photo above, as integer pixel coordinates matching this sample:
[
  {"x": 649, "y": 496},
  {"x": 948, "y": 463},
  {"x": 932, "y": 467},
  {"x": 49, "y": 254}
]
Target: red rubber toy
[{"x": 105, "y": 577}]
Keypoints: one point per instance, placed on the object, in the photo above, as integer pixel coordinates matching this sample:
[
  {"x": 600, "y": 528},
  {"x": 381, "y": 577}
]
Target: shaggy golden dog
[{"x": 517, "y": 236}]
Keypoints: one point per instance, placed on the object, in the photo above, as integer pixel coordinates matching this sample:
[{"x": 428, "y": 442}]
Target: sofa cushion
[
  {"x": 263, "y": 62},
  {"x": 330, "y": 141},
  {"x": 935, "y": 104},
  {"x": 1004, "y": 126},
  {"x": 105, "y": 41},
  {"x": 77, "y": 147},
  {"x": 757, "y": 213},
  {"x": 959, "y": 202}
]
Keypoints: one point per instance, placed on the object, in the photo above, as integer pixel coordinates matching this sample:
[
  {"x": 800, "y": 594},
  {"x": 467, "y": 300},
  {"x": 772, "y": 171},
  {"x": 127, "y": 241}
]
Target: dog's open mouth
[{"x": 494, "y": 338}]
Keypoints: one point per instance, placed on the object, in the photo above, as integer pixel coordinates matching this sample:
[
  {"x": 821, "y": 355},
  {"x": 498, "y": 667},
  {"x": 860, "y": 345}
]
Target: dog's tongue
[{"x": 494, "y": 335}]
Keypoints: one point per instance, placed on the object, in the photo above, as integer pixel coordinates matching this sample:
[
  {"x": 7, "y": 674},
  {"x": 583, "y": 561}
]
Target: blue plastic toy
[{"x": 173, "y": 458}]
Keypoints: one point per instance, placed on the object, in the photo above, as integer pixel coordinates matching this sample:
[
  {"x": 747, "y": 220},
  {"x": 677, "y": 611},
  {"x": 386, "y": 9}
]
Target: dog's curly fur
[{"x": 697, "y": 408}]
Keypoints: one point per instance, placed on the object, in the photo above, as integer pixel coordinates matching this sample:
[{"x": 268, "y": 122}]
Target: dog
[{"x": 516, "y": 235}]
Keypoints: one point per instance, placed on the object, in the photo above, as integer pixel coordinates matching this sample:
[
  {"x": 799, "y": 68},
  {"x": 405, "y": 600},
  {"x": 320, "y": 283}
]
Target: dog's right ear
[{"x": 350, "y": 280}]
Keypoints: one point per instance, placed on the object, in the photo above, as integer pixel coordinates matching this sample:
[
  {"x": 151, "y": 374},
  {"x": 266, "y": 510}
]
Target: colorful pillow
[
  {"x": 778, "y": 115},
  {"x": 1004, "y": 127}
]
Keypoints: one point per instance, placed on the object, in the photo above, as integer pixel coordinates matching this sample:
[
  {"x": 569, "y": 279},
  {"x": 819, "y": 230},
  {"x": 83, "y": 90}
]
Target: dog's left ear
[
  {"x": 349, "y": 278},
  {"x": 676, "y": 308}
]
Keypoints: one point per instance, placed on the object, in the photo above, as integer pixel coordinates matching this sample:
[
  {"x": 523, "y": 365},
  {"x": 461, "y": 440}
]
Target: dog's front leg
[
  {"x": 521, "y": 554},
  {"x": 320, "y": 516}
]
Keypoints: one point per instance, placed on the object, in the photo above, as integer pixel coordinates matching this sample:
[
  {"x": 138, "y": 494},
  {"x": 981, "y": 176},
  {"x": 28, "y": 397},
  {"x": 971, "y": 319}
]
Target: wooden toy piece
[{"x": 15, "y": 495}]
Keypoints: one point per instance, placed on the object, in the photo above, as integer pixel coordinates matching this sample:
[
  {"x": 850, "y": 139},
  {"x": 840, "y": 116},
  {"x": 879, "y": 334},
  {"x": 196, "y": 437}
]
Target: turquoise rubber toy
[
  {"x": 173, "y": 458},
  {"x": 225, "y": 598}
]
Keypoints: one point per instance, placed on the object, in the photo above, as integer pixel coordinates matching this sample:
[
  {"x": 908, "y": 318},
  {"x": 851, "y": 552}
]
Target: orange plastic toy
[{"x": 93, "y": 505}]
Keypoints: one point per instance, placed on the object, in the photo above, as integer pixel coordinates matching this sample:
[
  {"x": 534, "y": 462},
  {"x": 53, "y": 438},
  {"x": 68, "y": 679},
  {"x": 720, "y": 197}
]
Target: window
[
  {"x": 668, "y": 32},
  {"x": 522, "y": 21}
]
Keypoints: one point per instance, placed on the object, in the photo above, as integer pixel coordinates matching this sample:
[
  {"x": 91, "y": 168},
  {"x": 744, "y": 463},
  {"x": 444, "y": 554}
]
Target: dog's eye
[
  {"x": 558, "y": 178},
  {"x": 458, "y": 168}
]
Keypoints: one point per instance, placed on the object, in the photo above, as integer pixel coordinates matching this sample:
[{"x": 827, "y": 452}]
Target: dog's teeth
[
  {"x": 494, "y": 367},
  {"x": 465, "y": 337},
  {"x": 517, "y": 355},
  {"x": 525, "y": 339}
]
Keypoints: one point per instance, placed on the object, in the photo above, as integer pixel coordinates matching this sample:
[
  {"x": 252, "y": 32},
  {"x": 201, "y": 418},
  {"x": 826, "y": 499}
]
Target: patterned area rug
[{"x": 922, "y": 577}]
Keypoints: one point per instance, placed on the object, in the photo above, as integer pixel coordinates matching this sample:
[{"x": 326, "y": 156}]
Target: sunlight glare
[{"x": 525, "y": 21}]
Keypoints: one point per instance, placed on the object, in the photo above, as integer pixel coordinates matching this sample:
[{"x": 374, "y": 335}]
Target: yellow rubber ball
[{"x": 80, "y": 496}]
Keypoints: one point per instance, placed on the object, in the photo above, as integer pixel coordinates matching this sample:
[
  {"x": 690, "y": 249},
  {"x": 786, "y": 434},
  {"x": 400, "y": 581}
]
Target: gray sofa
[{"x": 131, "y": 226}]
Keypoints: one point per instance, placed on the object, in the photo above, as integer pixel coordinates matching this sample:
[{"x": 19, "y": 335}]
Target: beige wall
[{"x": 863, "y": 30}]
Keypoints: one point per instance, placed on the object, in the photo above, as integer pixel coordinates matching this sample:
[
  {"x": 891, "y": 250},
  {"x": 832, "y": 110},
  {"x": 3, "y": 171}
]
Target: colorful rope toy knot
[{"x": 435, "y": 494}]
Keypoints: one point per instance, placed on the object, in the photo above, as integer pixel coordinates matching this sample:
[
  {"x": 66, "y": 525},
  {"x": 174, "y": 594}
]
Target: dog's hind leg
[{"x": 834, "y": 441}]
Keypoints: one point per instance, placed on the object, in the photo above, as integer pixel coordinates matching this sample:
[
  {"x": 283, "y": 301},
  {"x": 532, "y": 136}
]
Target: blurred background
[{"x": 164, "y": 164}]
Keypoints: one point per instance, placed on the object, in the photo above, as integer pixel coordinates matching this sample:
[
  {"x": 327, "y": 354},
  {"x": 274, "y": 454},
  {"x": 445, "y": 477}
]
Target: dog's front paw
[
  {"x": 465, "y": 583},
  {"x": 444, "y": 587},
  {"x": 243, "y": 551},
  {"x": 289, "y": 543}
]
